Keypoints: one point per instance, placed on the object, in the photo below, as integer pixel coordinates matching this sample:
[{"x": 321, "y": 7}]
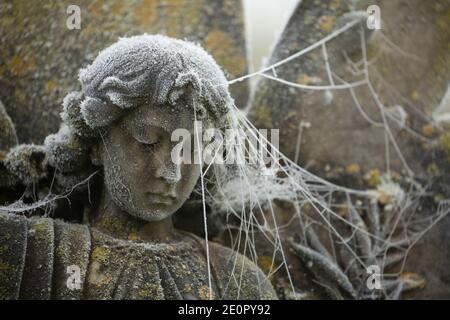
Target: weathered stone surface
[
  {"x": 8, "y": 137},
  {"x": 112, "y": 268},
  {"x": 338, "y": 135},
  {"x": 409, "y": 68},
  {"x": 40, "y": 57}
]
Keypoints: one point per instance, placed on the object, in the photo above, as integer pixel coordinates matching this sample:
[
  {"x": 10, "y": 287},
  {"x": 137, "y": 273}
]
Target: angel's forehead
[{"x": 167, "y": 118}]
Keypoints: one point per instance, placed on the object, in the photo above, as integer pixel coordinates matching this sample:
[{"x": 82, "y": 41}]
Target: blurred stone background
[{"x": 40, "y": 57}]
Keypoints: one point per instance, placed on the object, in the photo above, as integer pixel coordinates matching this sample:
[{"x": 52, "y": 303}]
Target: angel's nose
[{"x": 169, "y": 171}]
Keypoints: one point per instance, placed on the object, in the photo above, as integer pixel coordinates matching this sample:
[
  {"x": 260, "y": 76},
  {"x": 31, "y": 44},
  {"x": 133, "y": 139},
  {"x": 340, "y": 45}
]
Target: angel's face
[{"x": 139, "y": 173}]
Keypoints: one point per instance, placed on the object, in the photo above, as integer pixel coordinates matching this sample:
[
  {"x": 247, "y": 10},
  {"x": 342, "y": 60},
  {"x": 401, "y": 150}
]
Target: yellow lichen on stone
[
  {"x": 117, "y": 7},
  {"x": 203, "y": 293},
  {"x": 326, "y": 23},
  {"x": 96, "y": 277},
  {"x": 223, "y": 49},
  {"x": 444, "y": 143},
  {"x": 414, "y": 95},
  {"x": 353, "y": 168},
  {"x": 265, "y": 263},
  {"x": 133, "y": 235},
  {"x": 384, "y": 198},
  {"x": 303, "y": 79},
  {"x": 413, "y": 280},
  {"x": 61, "y": 250},
  {"x": 373, "y": 178},
  {"x": 20, "y": 66},
  {"x": 187, "y": 287},
  {"x": 40, "y": 229},
  {"x": 51, "y": 86},
  {"x": 428, "y": 130},
  {"x": 343, "y": 211},
  {"x": 439, "y": 197},
  {"x": 100, "y": 254}
]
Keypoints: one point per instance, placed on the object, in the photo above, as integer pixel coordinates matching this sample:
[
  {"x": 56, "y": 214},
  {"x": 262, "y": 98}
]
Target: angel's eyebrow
[{"x": 146, "y": 133}]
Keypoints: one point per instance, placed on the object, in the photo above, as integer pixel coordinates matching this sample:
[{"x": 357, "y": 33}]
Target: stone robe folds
[{"x": 38, "y": 257}]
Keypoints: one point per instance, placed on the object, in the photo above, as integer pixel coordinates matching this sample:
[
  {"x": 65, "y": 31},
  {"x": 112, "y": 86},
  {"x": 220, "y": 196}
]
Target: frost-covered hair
[
  {"x": 141, "y": 70},
  {"x": 147, "y": 69}
]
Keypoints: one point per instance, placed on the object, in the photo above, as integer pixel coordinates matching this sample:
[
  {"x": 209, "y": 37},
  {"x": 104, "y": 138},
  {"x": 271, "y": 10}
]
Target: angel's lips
[{"x": 155, "y": 198}]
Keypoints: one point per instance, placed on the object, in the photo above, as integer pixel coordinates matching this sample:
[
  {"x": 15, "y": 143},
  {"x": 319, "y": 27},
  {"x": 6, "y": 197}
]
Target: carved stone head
[{"x": 134, "y": 95}]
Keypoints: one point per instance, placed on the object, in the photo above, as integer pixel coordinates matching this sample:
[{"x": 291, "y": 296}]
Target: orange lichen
[
  {"x": 95, "y": 8},
  {"x": 222, "y": 47},
  {"x": 20, "y": 66},
  {"x": 145, "y": 14},
  {"x": 179, "y": 15}
]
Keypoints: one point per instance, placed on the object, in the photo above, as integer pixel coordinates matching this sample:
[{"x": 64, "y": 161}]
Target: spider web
[{"x": 248, "y": 192}]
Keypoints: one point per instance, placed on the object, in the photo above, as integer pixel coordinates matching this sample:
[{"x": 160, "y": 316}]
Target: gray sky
[{"x": 265, "y": 20}]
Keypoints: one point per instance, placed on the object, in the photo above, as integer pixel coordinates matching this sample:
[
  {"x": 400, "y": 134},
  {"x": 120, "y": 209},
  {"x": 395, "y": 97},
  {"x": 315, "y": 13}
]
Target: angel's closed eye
[
  {"x": 147, "y": 138},
  {"x": 149, "y": 146}
]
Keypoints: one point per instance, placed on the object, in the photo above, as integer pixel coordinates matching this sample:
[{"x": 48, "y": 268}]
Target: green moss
[{"x": 4, "y": 266}]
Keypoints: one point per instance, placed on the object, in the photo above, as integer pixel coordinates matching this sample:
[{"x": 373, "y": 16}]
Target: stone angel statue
[{"x": 134, "y": 94}]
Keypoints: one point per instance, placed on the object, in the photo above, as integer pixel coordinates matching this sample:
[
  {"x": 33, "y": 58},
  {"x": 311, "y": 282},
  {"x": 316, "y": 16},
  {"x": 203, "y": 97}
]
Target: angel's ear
[
  {"x": 95, "y": 156},
  {"x": 185, "y": 85}
]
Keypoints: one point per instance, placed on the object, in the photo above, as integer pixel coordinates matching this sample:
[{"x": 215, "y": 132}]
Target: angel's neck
[{"x": 110, "y": 219}]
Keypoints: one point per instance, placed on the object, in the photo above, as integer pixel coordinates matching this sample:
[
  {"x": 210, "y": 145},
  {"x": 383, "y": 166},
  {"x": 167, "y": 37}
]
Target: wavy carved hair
[{"x": 141, "y": 70}]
